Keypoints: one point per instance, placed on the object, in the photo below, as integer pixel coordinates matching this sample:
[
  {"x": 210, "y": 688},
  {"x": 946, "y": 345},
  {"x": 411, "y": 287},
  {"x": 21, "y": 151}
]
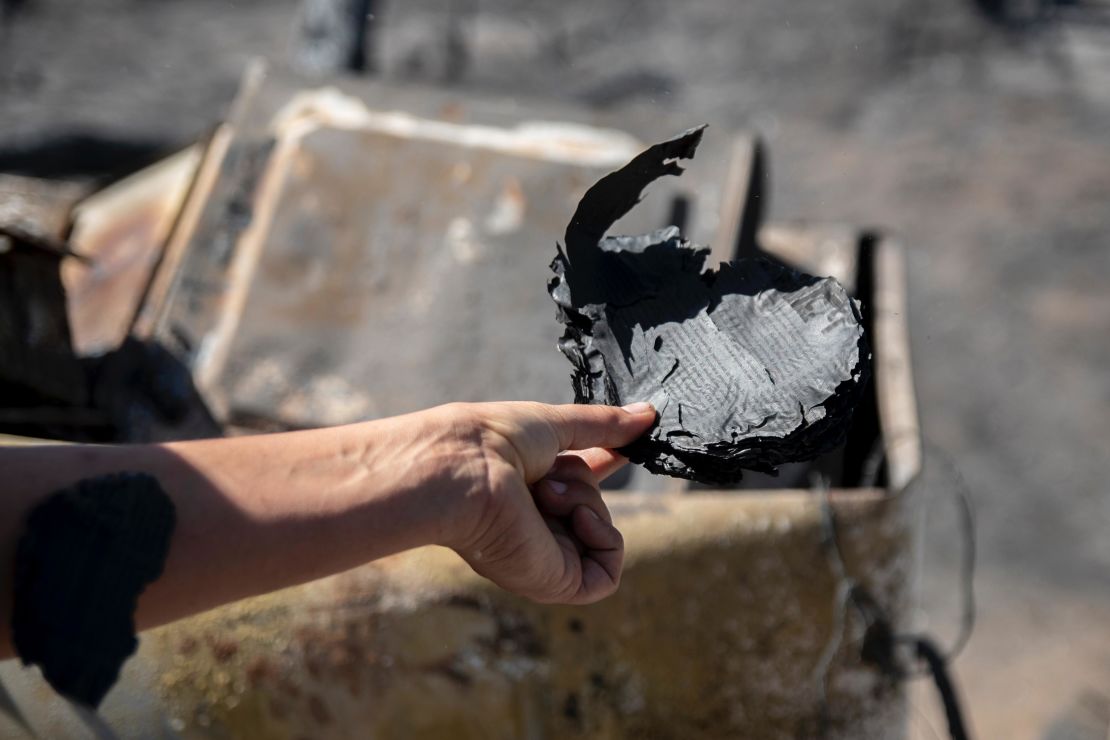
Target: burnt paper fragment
[
  {"x": 87, "y": 553},
  {"x": 750, "y": 366}
]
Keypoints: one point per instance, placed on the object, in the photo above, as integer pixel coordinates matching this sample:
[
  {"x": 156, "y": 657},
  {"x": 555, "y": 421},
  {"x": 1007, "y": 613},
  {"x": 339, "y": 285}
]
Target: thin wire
[
  {"x": 850, "y": 592},
  {"x": 844, "y": 588},
  {"x": 962, "y": 494},
  {"x": 924, "y": 719},
  {"x": 820, "y": 672}
]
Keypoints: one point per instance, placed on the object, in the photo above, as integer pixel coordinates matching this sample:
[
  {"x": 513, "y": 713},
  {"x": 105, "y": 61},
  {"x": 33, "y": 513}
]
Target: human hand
[{"x": 534, "y": 521}]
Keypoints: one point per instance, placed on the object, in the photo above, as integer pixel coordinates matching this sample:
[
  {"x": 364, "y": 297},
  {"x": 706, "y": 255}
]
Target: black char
[{"x": 749, "y": 366}]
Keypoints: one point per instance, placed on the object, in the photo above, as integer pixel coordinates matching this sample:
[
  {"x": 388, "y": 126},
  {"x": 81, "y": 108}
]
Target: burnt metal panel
[
  {"x": 354, "y": 261},
  {"x": 122, "y": 231}
]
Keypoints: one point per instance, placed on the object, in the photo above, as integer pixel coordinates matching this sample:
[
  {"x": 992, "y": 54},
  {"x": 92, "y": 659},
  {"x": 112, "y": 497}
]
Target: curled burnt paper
[
  {"x": 86, "y": 554},
  {"x": 750, "y": 366}
]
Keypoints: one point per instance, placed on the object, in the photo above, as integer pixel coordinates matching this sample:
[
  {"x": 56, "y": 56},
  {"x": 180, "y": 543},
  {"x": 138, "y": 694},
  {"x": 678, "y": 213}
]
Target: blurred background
[{"x": 978, "y": 133}]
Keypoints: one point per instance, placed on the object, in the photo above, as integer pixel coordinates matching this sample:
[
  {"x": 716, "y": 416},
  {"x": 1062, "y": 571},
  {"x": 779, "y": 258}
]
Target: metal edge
[{"x": 898, "y": 417}]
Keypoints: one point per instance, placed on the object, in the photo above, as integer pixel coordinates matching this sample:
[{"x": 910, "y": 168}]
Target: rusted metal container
[{"x": 364, "y": 251}]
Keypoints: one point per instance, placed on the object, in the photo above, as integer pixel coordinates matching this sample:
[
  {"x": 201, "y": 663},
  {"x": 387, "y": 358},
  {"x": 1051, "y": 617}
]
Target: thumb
[{"x": 579, "y": 427}]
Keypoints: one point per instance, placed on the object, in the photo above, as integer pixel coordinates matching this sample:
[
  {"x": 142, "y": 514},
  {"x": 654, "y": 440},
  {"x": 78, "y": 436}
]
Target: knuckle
[
  {"x": 554, "y": 415},
  {"x": 459, "y": 414},
  {"x": 543, "y": 411}
]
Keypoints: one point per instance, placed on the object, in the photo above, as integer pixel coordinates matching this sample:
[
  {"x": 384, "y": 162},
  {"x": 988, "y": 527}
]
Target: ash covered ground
[{"x": 985, "y": 147}]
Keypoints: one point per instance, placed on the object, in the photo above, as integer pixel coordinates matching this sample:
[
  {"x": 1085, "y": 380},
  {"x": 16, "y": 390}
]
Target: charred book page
[{"x": 750, "y": 365}]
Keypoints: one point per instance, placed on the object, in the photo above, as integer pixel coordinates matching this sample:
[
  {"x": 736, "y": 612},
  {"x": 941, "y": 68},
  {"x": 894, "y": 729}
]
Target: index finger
[{"x": 580, "y": 427}]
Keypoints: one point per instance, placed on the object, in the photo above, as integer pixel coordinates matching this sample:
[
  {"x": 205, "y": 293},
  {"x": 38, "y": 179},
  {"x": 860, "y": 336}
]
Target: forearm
[{"x": 255, "y": 514}]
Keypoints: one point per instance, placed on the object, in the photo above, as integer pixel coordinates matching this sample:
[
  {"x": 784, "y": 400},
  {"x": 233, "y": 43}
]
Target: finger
[
  {"x": 579, "y": 427},
  {"x": 570, "y": 466},
  {"x": 601, "y": 462},
  {"x": 604, "y": 556},
  {"x": 560, "y": 499},
  {"x": 595, "y": 532},
  {"x": 562, "y": 534}
]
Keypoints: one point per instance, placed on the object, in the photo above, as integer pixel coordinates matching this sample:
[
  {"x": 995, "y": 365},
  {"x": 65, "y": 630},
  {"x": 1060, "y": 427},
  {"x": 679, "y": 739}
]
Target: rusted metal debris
[
  {"x": 38, "y": 206},
  {"x": 122, "y": 232},
  {"x": 88, "y": 379},
  {"x": 39, "y": 364}
]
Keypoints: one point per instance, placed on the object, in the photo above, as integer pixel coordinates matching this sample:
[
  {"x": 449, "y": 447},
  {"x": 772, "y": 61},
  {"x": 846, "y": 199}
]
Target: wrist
[{"x": 437, "y": 465}]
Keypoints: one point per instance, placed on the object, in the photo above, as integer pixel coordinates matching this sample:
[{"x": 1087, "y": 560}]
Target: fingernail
[
  {"x": 557, "y": 486},
  {"x": 640, "y": 407},
  {"x": 593, "y": 513}
]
